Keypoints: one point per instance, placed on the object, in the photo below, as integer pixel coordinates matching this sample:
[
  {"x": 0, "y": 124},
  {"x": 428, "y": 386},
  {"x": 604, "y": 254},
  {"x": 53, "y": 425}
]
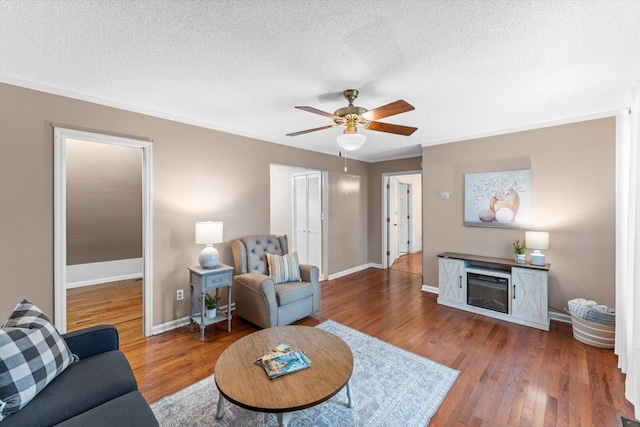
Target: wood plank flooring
[
  {"x": 510, "y": 375},
  {"x": 116, "y": 303},
  {"x": 411, "y": 263}
]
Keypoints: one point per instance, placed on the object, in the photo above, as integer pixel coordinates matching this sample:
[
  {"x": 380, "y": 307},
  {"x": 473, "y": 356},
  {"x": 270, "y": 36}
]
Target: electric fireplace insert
[{"x": 488, "y": 289}]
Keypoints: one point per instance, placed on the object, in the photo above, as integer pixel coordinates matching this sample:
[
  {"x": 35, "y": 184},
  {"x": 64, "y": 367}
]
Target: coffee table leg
[
  {"x": 283, "y": 418},
  {"x": 349, "y": 393},
  {"x": 220, "y": 406}
]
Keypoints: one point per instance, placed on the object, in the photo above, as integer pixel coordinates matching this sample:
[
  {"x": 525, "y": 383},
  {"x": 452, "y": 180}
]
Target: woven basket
[{"x": 593, "y": 334}]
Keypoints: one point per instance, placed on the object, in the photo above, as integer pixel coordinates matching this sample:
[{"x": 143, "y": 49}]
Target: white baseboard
[
  {"x": 95, "y": 273},
  {"x": 430, "y": 289},
  {"x": 559, "y": 317},
  {"x": 168, "y": 326},
  {"x": 353, "y": 270},
  {"x": 181, "y": 322}
]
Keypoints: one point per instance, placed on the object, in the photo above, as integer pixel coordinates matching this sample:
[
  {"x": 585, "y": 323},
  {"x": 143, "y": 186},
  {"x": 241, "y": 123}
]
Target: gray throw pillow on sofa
[{"x": 32, "y": 354}]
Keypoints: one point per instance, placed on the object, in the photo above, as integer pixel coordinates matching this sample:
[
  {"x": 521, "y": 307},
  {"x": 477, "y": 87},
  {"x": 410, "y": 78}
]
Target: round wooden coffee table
[{"x": 241, "y": 381}]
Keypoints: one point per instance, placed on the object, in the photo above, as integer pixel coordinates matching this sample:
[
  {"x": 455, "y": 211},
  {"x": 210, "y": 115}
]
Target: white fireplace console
[{"x": 525, "y": 288}]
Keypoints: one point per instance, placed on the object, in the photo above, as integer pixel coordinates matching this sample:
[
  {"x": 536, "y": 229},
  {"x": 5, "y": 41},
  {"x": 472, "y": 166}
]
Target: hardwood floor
[
  {"x": 410, "y": 263},
  {"x": 116, "y": 303},
  {"x": 510, "y": 375}
]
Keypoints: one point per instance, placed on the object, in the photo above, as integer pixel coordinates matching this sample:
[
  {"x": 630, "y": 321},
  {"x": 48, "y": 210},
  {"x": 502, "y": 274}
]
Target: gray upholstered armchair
[{"x": 258, "y": 299}]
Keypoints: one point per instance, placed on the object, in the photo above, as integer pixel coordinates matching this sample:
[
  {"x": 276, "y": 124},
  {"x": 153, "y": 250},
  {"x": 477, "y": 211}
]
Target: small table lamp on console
[
  {"x": 208, "y": 233},
  {"x": 537, "y": 240}
]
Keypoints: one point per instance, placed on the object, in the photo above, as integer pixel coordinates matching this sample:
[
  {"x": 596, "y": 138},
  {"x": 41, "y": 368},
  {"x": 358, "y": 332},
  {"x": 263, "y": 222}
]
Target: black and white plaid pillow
[{"x": 32, "y": 354}]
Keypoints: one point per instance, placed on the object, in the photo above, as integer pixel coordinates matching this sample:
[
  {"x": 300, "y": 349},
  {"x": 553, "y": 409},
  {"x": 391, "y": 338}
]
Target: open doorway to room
[
  {"x": 102, "y": 232},
  {"x": 402, "y": 221},
  {"x": 296, "y": 210}
]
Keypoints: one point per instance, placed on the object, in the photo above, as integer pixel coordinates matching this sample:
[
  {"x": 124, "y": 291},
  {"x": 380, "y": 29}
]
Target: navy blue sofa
[{"x": 98, "y": 391}]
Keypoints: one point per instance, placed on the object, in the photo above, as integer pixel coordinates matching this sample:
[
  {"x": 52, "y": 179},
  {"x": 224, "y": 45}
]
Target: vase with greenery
[
  {"x": 210, "y": 304},
  {"x": 519, "y": 251}
]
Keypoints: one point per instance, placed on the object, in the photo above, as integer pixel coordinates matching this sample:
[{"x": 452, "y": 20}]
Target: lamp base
[
  {"x": 537, "y": 258},
  {"x": 209, "y": 257}
]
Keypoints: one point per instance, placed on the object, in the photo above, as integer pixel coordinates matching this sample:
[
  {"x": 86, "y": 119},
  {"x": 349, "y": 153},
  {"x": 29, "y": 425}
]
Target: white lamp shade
[
  {"x": 351, "y": 141},
  {"x": 537, "y": 239},
  {"x": 208, "y": 233}
]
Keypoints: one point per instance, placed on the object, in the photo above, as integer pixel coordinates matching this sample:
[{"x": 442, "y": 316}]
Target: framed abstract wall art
[{"x": 498, "y": 199}]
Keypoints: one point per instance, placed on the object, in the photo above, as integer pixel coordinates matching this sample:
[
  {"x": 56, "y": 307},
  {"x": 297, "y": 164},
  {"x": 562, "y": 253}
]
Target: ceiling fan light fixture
[{"x": 351, "y": 141}]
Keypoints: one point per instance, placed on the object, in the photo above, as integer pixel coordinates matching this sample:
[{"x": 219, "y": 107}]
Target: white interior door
[
  {"x": 300, "y": 215},
  {"x": 307, "y": 218},
  {"x": 403, "y": 217},
  {"x": 393, "y": 223}
]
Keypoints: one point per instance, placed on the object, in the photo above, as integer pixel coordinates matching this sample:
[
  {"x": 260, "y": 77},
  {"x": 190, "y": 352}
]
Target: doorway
[
  {"x": 75, "y": 265},
  {"x": 296, "y": 196},
  {"x": 402, "y": 221}
]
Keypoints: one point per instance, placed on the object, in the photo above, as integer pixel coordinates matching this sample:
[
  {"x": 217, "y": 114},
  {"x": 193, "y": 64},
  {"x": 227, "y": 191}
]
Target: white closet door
[
  {"x": 307, "y": 217},
  {"x": 300, "y": 217}
]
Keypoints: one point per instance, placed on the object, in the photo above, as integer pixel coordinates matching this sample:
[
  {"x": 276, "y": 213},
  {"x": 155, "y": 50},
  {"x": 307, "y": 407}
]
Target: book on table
[{"x": 283, "y": 360}]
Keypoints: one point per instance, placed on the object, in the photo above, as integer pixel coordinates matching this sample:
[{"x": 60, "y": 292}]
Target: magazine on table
[{"x": 282, "y": 360}]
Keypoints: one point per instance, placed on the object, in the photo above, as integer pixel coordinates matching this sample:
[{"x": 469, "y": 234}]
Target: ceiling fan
[{"x": 352, "y": 116}]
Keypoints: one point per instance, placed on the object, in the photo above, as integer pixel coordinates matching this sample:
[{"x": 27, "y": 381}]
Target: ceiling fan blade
[
  {"x": 388, "y": 110},
  {"x": 310, "y": 130},
  {"x": 390, "y": 128},
  {"x": 316, "y": 111}
]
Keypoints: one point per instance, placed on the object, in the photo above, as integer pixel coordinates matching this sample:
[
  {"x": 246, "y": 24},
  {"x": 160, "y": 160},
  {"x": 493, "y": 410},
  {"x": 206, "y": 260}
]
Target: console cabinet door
[
  {"x": 529, "y": 294},
  {"x": 450, "y": 280}
]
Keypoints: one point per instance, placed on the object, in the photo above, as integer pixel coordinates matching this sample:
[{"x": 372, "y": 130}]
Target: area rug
[{"x": 391, "y": 387}]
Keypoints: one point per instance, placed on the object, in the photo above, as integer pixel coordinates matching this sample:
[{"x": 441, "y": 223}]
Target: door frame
[
  {"x": 61, "y": 135},
  {"x": 386, "y": 179}
]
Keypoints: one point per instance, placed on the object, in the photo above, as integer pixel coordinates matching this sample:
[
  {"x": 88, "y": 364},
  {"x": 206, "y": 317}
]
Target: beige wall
[
  {"x": 573, "y": 198},
  {"x": 199, "y": 174},
  {"x": 375, "y": 200},
  {"x": 347, "y": 226},
  {"x": 281, "y": 195},
  {"x": 202, "y": 174},
  {"x": 104, "y": 202}
]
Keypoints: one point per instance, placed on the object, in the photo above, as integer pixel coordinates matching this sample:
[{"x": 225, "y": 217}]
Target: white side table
[{"x": 205, "y": 279}]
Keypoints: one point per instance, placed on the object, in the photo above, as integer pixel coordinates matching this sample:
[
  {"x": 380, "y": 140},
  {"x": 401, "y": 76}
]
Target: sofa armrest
[{"x": 91, "y": 341}]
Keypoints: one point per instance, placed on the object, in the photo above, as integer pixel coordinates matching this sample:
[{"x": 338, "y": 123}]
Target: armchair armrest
[
  {"x": 91, "y": 341},
  {"x": 256, "y": 299},
  {"x": 309, "y": 273},
  {"x": 258, "y": 283}
]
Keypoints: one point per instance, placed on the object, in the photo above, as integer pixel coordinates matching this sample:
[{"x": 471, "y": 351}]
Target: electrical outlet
[{"x": 180, "y": 295}]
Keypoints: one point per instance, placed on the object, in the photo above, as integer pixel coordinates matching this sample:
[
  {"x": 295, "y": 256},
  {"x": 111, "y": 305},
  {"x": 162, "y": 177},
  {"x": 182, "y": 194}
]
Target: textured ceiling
[{"x": 470, "y": 68}]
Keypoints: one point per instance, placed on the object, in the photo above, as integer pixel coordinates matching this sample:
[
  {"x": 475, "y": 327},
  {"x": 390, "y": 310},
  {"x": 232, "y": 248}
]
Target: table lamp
[
  {"x": 537, "y": 240},
  {"x": 208, "y": 233}
]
